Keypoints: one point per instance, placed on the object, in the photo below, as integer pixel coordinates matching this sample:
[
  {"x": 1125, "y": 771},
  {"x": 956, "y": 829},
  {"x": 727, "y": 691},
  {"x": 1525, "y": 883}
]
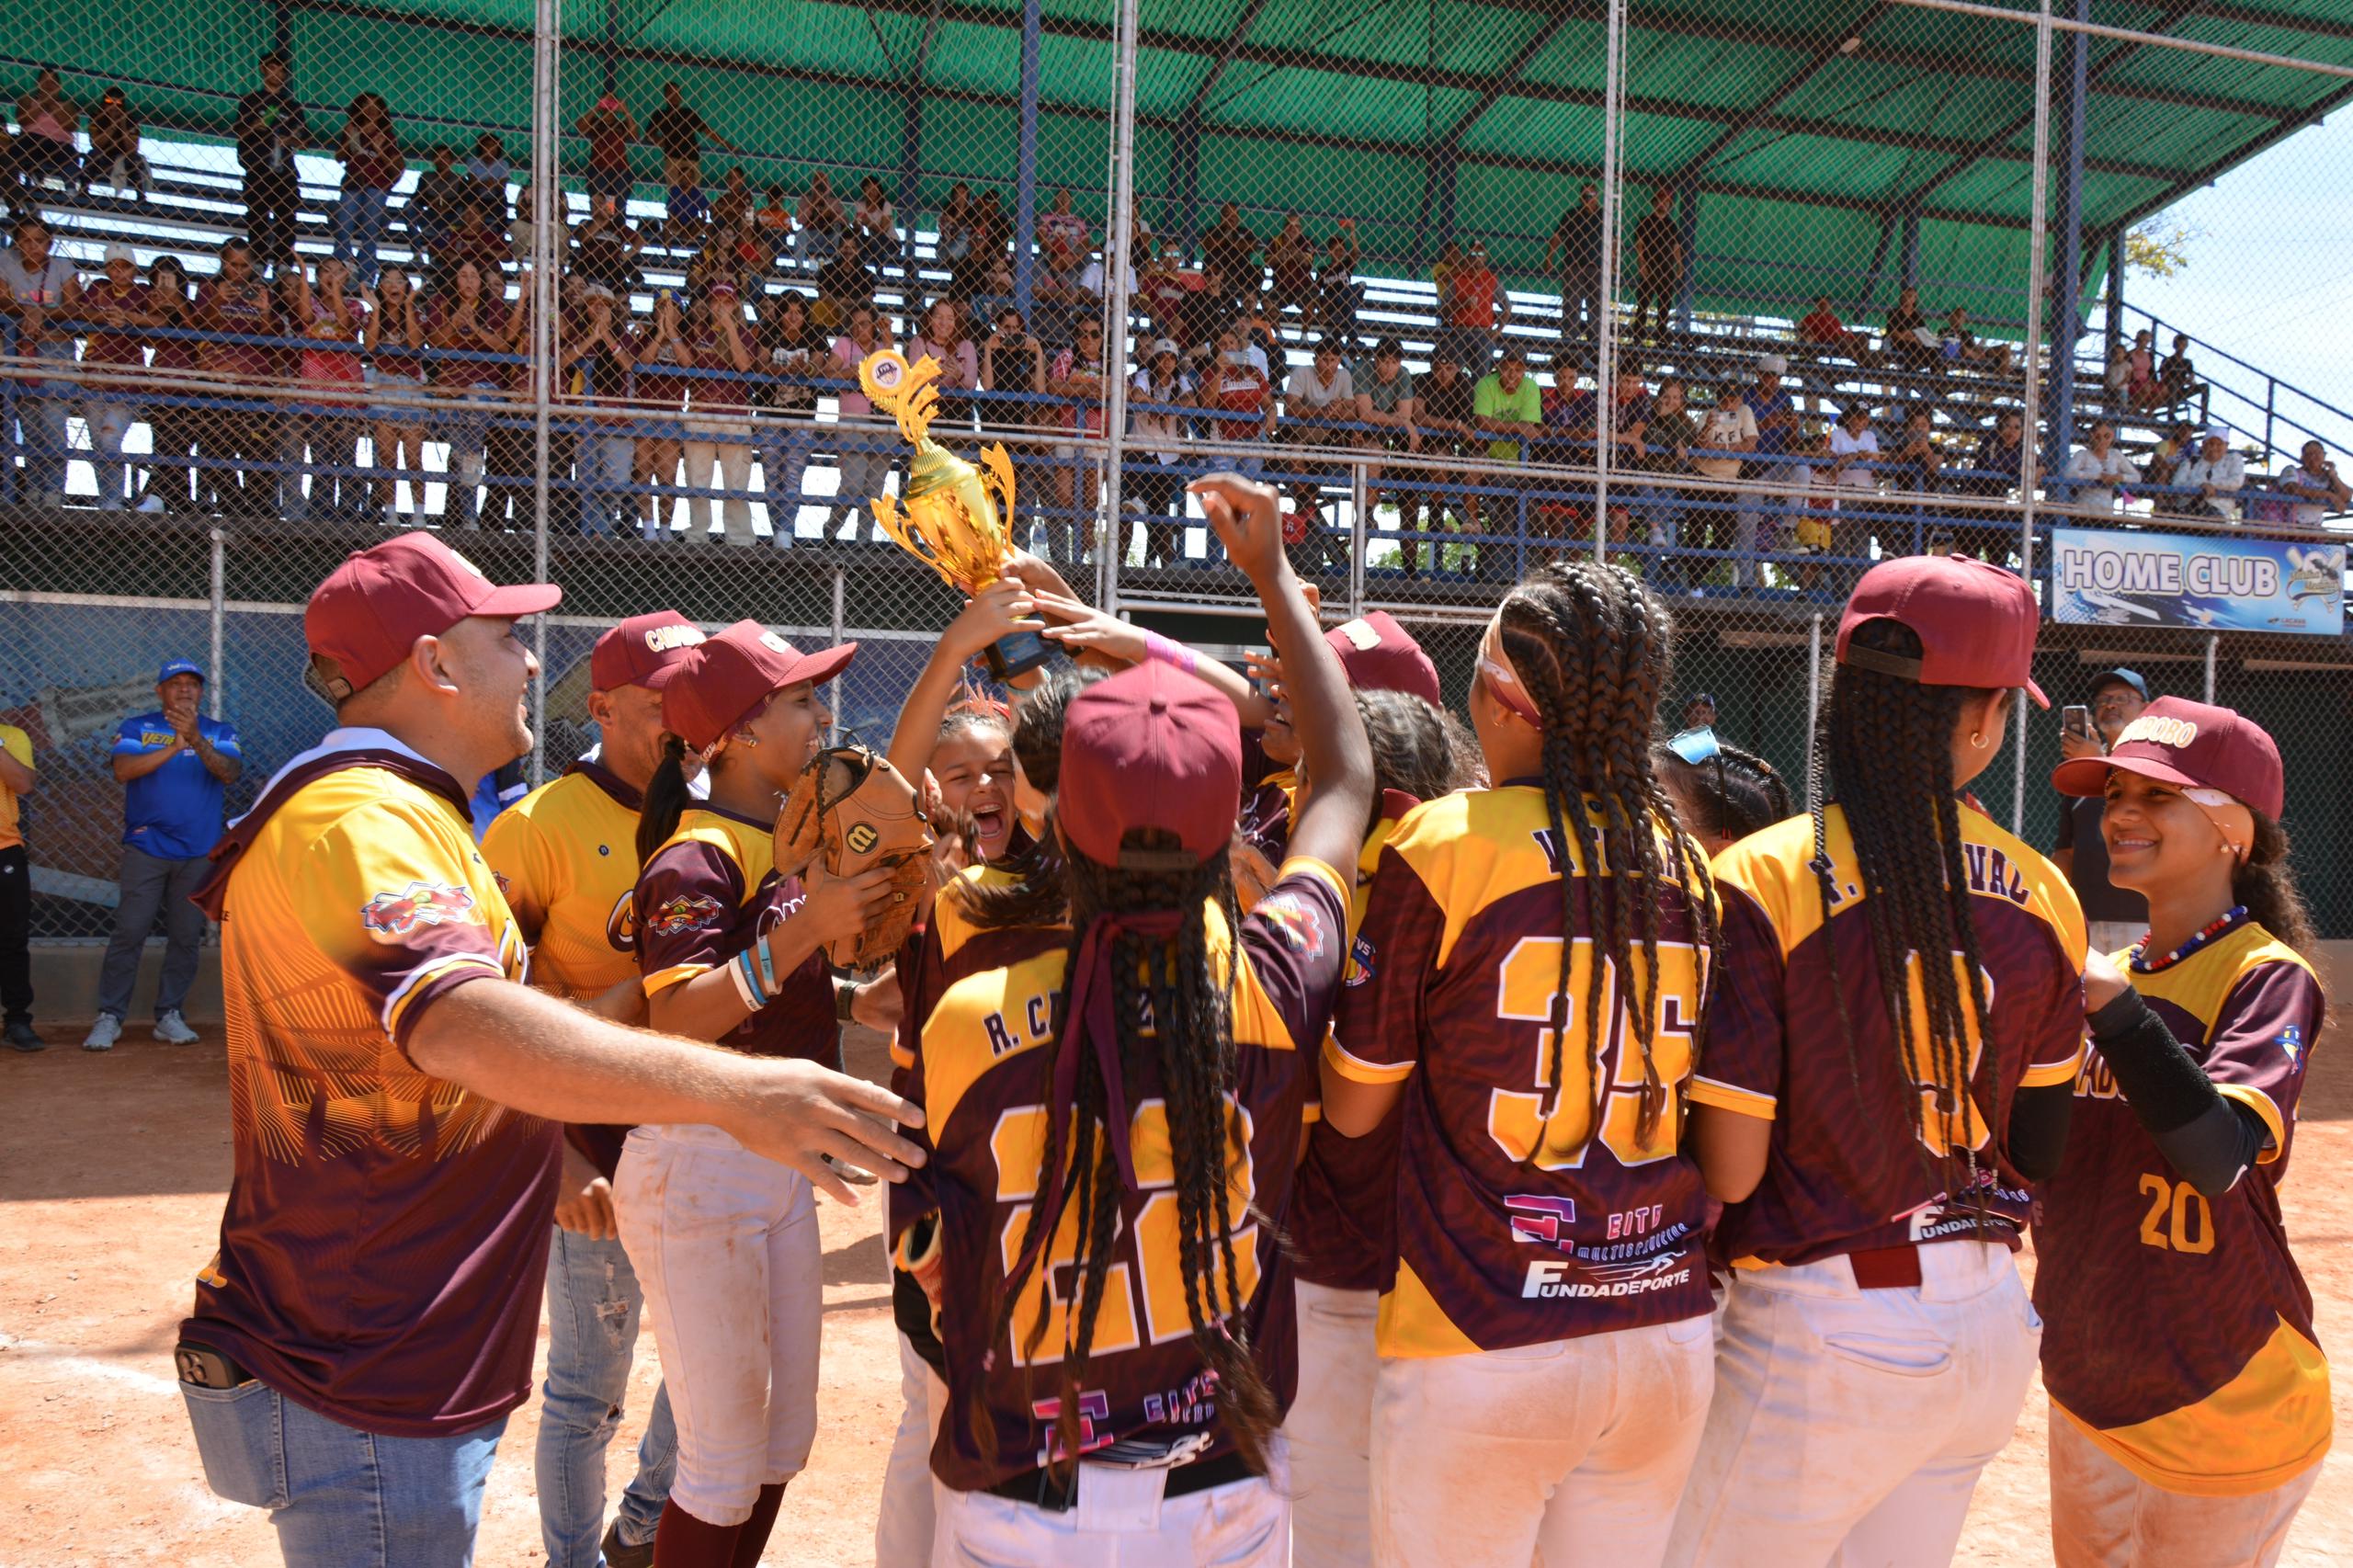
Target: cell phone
[{"x": 2075, "y": 719}]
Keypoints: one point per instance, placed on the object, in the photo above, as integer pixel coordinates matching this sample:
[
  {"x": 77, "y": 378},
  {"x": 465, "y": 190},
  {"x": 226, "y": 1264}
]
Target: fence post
[
  {"x": 546, "y": 200},
  {"x": 833, "y": 686},
  {"x": 1359, "y": 536},
  {"x": 1118, "y": 243},
  {"x": 2213, "y": 644},
  {"x": 1813, "y": 698},
  {"x": 1025, "y": 166},
  {"x": 220, "y": 616},
  {"x": 2039, "y": 232},
  {"x": 1605, "y": 365}
]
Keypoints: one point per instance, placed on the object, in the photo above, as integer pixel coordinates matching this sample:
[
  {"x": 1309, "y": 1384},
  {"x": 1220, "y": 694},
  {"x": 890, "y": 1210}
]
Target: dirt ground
[{"x": 112, "y": 1172}]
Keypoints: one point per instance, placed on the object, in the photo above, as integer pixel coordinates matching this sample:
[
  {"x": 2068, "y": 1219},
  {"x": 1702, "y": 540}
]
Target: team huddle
[{"x": 1320, "y": 1130}]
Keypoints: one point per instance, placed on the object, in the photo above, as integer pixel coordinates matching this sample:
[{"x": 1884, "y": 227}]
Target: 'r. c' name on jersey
[
  {"x": 1835, "y": 1182},
  {"x": 1515, "y": 1227},
  {"x": 2178, "y": 1335}
]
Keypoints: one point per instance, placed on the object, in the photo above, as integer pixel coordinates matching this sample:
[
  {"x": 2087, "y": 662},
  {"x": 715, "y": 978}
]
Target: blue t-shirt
[
  {"x": 1772, "y": 442},
  {"x": 172, "y": 813}
]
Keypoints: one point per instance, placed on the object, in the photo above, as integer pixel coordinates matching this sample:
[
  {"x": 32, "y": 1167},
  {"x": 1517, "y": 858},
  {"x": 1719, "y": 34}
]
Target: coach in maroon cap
[{"x": 374, "y": 1300}]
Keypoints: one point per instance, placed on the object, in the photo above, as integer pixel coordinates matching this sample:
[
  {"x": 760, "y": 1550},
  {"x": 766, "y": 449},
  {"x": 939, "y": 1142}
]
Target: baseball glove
[{"x": 851, "y": 811}]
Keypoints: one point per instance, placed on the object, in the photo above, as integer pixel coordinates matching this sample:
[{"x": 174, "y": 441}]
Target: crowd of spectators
[{"x": 263, "y": 381}]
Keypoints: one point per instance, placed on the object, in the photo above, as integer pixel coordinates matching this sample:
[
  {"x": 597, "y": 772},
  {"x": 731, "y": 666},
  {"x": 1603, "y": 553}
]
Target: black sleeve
[
  {"x": 2066, "y": 825},
  {"x": 2038, "y": 1132},
  {"x": 2210, "y": 1139}
]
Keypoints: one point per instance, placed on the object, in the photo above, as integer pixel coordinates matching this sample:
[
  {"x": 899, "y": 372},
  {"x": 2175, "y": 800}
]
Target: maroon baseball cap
[
  {"x": 630, "y": 652},
  {"x": 721, "y": 679},
  {"x": 1151, "y": 747},
  {"x": 2194, "y": 745},
  {"x": 1378, "y": 655},
  {"x": 372, "y": 609},
  {"x": 1976, "y": 623}
]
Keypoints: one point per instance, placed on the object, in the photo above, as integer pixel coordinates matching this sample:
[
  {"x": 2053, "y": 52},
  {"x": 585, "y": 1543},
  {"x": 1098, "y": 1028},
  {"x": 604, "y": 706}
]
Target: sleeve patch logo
[
  {"x": 2292, "y": 1041},
  {"x": 1360, "y": 965},
  {"x": 389, "y": 916},
  {"x": 1299, "y": 922},
  {"x": 687, "y": 912}
]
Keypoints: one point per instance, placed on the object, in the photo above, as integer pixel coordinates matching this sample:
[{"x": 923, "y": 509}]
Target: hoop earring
[{"x": 1977, "y": 739}]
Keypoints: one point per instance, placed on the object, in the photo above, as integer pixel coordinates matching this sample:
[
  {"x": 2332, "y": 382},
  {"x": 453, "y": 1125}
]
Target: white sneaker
[
  {"x": 172, "y": 1029},
  {"x": 103, "y": 1034}
]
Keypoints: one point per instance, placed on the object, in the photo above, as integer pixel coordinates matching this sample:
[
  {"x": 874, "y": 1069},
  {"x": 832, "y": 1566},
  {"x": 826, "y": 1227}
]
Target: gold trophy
[{"x": 955, "y": 518}]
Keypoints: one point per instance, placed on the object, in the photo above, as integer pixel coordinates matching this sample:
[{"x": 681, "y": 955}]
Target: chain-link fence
[{"x": 1743, "y": 301}]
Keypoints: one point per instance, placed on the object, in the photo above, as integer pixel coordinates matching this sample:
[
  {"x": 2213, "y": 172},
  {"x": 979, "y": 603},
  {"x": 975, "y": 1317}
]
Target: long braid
[{"x": 1889, "y": 754}]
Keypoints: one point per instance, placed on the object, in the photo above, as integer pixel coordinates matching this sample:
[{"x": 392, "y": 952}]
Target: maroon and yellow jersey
[
  {"x": 1514, "y": 1226},
  {"x": 2177, "y": 1332},
  {"x": 565, "y": 855},
  {"x": 1343, "y": 1212},
  {"x": 385, "y": 1236},
  {"x": 1846, "y": 1171},
  {"x": 984, "y": 1077},
  {"x": 711, "y": 890},
  {"x": 1264, "y": 820}
]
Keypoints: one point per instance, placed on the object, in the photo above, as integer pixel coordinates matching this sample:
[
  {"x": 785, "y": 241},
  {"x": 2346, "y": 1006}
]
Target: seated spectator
[
  {"x": 1231, "y": 250},
  {"x": 1907, "y": 338},
  {"x": 1853, "y": 450},
  {"x": 2097, "y": 468},
  {"x": 1316, "y": 399},
  {"x": 609, "y": 129},
  {"x": 1013, "y": 361},
  {"x": 2217, "y": 474},
  {"x": 992, "y": 243},
  {"x": 1156, "y": 490},
  {"x": 1060, "y": 290},
  {"x": 114, "y": 152},
  {"x": 1164, "y": 289},
  {"x": 2133, "y": 370},
  {"x": 844, "y": 283},
  {"x": 877, "y": 224},
  {"x": 1995, "y": 466},
  {"x": 1918, "y": 464},
  {"x": 2176, "y": 376},
  {"x": 822, "y": 220},
  {"x": 374, "y": 163},
  {"x": 1339, "y": 296},
  {"x": 1235, "y": 387},
  {"x": 481, "y": 238},
  {"x": 1725, "y": 522},
  {"x": 1509, "y": 409},
  {"x": 996, "y": 290},
  {"x": 1822, "y": 327},
  {"x": 772, "y": 222},
  {"x": 112, "y": 360},
  {"x": 792, "y": 349},
  {"x": 733, "y": 207},
  {"x": 1961, "y": 344},
  {"x": 1205, "y": 311},
  {"x": 1385, "y": 402},
  {"x": 2173, "y": 451},
  {"x": 46, "y": 121},
  {"x": 1475, "y": 310},
  {"x": 955, "y": 228},
  {"x": 1446, "y": 417},
  {"x": 488, "y": 171},
  {"x": 2318, "y": 491},
  {"x": 943, "y": 337},
  {"x": 1291, "y": 259},
  {"x": 604, "y": 249},
  {"x": 396, "y": 377},
  {"x": 438, "y": 205},
  {"x": 173, "y": 482},
  {"x": 1063, "y": 237},
  {"x": 1077, "y": 375}
]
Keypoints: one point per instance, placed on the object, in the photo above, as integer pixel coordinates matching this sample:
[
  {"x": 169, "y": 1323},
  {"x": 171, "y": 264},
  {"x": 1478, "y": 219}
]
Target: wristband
[
  {"x": 845, "y": 998},
  {"x": 1168, "y": 651},
  {"x": 759, "y": 948},
  {"x": 748, "y": 987}
]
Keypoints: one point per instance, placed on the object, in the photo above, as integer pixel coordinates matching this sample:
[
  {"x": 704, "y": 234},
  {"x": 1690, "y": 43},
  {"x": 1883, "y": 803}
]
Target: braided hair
[
  {"x": 1590, "y": 644},
  {"x": 1728, "y": 797},
  {"x": 1412, "y": 749},
  {"x": 1038, "y": 893},
  {"x": 1172, "y": 1009},
  {"x": 1887, "y": 743}
]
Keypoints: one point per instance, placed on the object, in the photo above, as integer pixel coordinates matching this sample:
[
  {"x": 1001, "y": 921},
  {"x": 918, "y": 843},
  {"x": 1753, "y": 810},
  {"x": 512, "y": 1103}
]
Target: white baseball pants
[
  {"x": 903, "y": 1527},
  {"x": 1123, "y": 1521},
  {"x": 1329, "y": 1429},
  {"x": 2101, "y": 1513},
  {"x": 725, "y": 1244},
  {"x": 1849, "y": 1425},
  {"x": 1566, "y": 1454}
]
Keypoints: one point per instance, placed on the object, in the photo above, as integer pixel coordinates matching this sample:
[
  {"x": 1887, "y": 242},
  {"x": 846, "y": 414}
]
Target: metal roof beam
[
  {"x": 1507, "y": 78},
  {"x": 1830, "y": 49},
  {"x": 1225, "y": 53}
]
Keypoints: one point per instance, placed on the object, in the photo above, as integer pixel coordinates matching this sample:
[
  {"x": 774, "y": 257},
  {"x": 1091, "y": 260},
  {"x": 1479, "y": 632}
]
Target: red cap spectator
[
  {"x": 372, "y": 609},
  {"x": 719, "y": 681},
  {"x": 1378, "y": 655},
  {"x": 2194, "y": 745},
  {"x": 631, "y": 653},
  {"x": 1152, "y": 747},
  {"x": 1976, "y": 623}
]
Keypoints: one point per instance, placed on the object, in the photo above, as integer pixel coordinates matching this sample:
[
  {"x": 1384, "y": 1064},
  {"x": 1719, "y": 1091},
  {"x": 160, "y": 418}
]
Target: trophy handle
[
  {"x": 898, "y": 526},
  {"x": 996, "y": 470}
]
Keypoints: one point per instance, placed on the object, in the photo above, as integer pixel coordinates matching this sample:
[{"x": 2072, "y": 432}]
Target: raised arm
[{"x": 996, "y": 611}]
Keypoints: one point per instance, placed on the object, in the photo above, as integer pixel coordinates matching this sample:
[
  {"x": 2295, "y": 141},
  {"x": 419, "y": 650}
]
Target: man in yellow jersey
[
  {"x": 565, "y": 856},
  {"x": 394, "y": 1089}
]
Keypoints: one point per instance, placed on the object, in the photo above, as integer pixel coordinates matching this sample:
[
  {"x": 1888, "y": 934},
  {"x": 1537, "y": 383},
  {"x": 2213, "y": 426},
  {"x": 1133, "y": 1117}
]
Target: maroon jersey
[
  {"x": 114, "y": 345},
  {"x": 1846, "y": 1171},
  {"x": 244, "y": 309},
  {"x": 708, "y": 892},
  {"x": 1342, "y": 1216},
  {"x": 2132, "y": 1253},
  {"x": 983, "y": 1076},
  {"x": 1515, "y": 1225},
  {"x": 1265, "y": 821}
]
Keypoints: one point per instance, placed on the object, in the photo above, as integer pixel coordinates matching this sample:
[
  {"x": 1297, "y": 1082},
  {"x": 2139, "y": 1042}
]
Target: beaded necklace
[{"x": 2205, "y": 935}]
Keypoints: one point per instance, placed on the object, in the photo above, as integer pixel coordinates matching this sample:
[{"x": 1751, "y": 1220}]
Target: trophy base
[{"x": 1016, "y": 655}]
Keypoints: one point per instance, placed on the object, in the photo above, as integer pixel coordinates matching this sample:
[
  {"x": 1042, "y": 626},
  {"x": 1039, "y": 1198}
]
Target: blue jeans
[
  {"x": 605, "y": 466},
  {"x": 341, "y": 1497},
  {"x": 594, "y": 1305},
  {"x": 40, "y": 420},
  {"x": 784, "y": 461},
  {"x": 358, "y": 224}
]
